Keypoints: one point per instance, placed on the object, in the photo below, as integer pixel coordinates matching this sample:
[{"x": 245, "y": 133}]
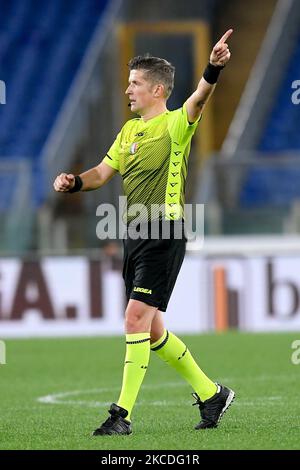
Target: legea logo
[{"x": 2, "y": 92}]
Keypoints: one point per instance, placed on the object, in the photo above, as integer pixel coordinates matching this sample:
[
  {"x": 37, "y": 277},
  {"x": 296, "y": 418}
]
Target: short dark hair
[{"x": 158, "y": 70}]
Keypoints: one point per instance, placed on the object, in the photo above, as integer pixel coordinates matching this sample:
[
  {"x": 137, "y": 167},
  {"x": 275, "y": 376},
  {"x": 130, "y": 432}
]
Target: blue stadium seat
[
  {"x": 270, "y": 187},
  {"x": 280, "y": 186},
  {"x": 41, "y": 48}
]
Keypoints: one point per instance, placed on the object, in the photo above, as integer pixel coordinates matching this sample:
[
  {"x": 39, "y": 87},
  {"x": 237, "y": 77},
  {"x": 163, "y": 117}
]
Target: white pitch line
[
  {"x": 60, "y": 398},
  {"x": 57, "y": 398}
]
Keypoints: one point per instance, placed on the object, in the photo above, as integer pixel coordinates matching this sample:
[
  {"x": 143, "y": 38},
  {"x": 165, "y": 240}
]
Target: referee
[{"x": 151, "y": 154}]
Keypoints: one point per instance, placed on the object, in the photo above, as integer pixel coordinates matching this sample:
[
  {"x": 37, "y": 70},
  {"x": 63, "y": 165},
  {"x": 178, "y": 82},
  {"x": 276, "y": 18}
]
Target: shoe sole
[
  {"x": 229, "y": 401},
  {"x": 111, "y": 433}
]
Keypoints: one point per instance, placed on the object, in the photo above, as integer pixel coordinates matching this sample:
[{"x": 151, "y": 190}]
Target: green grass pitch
[{"x": 54, "y": 392}]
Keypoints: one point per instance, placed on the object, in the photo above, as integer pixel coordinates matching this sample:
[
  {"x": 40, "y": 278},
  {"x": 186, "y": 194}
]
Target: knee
[{"x": 133, "y": 318}]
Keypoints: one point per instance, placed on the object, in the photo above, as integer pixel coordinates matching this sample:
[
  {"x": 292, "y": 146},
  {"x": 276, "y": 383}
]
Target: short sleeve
[
  {"x": 112, "y": 156},
  {"x": 179, "y": 127}
]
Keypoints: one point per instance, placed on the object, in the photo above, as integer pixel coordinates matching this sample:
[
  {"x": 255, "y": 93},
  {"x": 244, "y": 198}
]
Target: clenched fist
[{"x": 63, "y": 182}]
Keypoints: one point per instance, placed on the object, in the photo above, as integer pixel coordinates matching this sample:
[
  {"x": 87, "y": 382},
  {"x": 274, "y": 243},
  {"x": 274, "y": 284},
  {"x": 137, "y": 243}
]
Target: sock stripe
[
  {"x": 183, "y": 354},
  {"x": 161, "y": 345},
  {"x": 138, "y": 341}
]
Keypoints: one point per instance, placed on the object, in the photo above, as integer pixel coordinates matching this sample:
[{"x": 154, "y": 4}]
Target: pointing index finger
[{"x": 226, "y": 36}]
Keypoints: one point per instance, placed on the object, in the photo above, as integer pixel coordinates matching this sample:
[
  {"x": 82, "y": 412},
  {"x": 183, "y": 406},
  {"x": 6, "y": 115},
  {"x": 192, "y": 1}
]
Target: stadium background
[{"x": 63, "y": 73}]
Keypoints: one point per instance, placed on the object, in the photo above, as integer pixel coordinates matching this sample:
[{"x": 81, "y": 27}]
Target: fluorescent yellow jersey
[{"x": 152, "y": 158}]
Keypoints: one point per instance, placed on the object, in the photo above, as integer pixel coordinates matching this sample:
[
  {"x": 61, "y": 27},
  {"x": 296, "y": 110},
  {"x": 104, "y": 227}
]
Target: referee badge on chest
[{"x": 133, "y": 148}]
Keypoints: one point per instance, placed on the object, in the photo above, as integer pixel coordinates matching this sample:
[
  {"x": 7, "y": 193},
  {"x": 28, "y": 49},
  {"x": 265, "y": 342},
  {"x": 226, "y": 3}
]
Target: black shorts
[{"x": 151, "y": 266}]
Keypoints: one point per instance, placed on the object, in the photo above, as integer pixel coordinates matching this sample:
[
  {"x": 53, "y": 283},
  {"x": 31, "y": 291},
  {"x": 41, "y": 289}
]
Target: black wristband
[
  {"x": 212, "y": 72},
  {"x": 77, "y": 186}
]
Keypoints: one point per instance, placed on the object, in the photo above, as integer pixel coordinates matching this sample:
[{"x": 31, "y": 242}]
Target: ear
[{"x": 159, "y": 91}]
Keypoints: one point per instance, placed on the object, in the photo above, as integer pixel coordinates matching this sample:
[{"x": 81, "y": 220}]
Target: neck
[{"x": 154, "y": 111}]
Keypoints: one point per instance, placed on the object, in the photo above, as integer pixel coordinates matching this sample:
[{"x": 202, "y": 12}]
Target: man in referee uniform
[{"x": 151, "y": 154}]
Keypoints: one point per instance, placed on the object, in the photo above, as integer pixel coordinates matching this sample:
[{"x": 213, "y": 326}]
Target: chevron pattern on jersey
[{"x": 152, "y": 159}]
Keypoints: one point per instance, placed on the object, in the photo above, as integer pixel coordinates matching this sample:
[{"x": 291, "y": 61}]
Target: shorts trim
[{"x": 152, "y": 303}]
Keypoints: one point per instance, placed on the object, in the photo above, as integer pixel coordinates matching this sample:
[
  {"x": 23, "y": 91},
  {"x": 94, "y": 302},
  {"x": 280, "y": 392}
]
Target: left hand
[{"x": 220, "y": 54}]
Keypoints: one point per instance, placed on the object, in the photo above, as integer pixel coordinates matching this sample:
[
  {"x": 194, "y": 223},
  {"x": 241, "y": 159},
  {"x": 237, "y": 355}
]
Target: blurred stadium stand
[
  {"x": 278, "y": 185},
  {"x": 41, "y": 49},
  {"x": 15, "y": 223},
  {"x": 256, "y": 175},
  {"x": 61, "y": 64},
  {"x": 42, "y": 45},
  {"x": 281, "y": 132}
]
